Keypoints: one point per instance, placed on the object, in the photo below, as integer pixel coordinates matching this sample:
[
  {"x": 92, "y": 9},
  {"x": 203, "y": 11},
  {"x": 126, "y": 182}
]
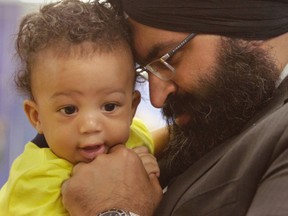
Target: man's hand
[
  {"x": 148, "y": 160},
  {"x": 114, "y": 180}
]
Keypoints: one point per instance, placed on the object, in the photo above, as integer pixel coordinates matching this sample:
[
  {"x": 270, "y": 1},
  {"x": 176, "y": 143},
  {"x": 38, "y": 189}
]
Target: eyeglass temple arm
[{"x": 188, "y": 38}]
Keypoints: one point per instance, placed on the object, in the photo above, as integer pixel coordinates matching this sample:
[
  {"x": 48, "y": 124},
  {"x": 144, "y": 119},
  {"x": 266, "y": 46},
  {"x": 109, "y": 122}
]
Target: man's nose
[{"x": 159, "y": 90}]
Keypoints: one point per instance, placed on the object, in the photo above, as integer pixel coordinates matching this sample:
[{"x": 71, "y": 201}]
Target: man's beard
[{"x": 243, "y": 82}]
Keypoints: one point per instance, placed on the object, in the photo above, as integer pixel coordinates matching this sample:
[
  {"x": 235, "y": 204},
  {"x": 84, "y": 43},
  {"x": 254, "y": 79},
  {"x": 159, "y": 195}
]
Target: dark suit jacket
[{"x": 247, "y": 175}]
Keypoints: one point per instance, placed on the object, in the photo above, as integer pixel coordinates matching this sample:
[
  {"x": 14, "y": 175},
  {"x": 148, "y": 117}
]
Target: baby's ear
[
  {"x": 31, "y": 110},
  {"x": 135, "y": 102}
]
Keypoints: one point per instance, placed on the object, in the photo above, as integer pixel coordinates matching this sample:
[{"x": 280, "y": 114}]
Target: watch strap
[{"x": 117, "y": 212}]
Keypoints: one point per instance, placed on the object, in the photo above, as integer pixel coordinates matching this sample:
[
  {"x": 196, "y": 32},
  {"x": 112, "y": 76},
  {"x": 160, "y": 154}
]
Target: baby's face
[{"x": 84, "y": 105}]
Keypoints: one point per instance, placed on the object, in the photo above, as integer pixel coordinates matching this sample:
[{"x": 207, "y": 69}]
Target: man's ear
[
  {"x": 31, "y": 110},
  {"x": 135, "y": 102}
]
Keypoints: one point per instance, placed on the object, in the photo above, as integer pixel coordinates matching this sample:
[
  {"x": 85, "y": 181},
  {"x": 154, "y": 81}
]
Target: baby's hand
[{"x": 148, "y": 160}]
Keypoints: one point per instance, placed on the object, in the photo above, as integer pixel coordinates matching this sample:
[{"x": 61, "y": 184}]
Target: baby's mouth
[{"x": 90, "y": 152}]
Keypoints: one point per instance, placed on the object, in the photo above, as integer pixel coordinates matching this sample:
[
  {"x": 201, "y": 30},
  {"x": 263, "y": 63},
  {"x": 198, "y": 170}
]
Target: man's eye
[
  {"x": 110, "y": 107},
  {"x": 69, "y": 110}
]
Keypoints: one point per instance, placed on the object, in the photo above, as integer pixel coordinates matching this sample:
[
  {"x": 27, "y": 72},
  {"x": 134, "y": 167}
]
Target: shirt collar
[{"x": 282, "y": 76}]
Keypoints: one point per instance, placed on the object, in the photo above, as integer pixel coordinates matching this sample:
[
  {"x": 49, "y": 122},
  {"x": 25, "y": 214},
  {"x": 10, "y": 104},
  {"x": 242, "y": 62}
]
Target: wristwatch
[{"x": 117, "y": 212}]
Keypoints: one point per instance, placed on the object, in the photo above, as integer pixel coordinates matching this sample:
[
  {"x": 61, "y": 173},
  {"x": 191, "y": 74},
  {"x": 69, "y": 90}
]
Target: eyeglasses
[{"x": 160, "y": 67}]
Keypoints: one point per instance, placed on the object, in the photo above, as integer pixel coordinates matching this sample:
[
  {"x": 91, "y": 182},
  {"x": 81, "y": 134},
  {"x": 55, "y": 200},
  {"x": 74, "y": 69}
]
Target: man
[{"x": 218, "y": 69}]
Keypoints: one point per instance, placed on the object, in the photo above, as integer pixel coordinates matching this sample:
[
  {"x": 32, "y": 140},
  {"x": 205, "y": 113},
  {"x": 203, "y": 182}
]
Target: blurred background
[{"x": 15, "y": 130}]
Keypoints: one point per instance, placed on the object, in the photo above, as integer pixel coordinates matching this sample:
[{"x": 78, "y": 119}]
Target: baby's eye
[
  {"x": 69, "y": 110},
  {"x": 110, "y": 107}
]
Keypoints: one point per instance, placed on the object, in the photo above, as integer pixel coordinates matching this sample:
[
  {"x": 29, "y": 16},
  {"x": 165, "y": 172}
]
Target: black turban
[{"x": 250, "y": 19}]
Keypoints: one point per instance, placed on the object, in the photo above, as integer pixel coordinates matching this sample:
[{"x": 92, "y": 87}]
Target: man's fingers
[
  {"x": 116, "y": 148},
  {"x": 141, "y": 150},
  {"x": 157, "y": 188},
  {"x": 64, "y": 186},
  {"x": 77, "y": 166}
]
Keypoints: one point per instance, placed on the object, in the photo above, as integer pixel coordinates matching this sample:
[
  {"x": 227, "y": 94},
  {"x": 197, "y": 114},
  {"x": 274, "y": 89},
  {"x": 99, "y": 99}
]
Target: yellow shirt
[{"x": 36, "y": 176}]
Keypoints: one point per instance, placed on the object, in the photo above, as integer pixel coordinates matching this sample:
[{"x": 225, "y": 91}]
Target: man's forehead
[
  {"x": 149, "y": 42},
  {"x": 144, "y": 41}
]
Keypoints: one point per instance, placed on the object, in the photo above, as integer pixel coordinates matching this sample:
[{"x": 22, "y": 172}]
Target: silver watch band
[{"x": 117, "y": 212}]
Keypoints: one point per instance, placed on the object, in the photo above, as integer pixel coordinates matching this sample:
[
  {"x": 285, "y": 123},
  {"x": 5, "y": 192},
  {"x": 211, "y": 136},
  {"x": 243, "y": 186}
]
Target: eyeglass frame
[{"x": 142, "y": 70}]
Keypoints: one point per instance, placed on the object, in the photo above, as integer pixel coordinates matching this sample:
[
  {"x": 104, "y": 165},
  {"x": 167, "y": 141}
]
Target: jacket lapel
[{"x": 178, "y": 187}]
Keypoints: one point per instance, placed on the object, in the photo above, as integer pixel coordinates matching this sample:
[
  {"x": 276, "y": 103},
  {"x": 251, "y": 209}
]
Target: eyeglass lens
[{"x": 161, "y": 69}]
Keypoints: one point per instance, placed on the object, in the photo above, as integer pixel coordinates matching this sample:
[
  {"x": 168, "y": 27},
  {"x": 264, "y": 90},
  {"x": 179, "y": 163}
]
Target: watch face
[{"x": 114, "y": 212}]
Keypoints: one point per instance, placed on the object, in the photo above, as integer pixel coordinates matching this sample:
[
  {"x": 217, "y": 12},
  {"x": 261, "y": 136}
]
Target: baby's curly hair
[{"x": 62, "y": 25}]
